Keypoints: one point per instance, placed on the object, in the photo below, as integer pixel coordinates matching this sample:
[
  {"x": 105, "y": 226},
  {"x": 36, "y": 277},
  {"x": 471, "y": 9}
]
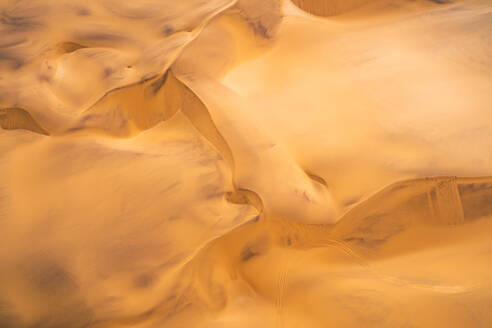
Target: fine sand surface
[{"x": 245, "y": 163}]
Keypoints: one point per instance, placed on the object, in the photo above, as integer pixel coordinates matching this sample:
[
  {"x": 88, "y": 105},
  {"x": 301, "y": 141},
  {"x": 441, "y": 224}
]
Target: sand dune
[
  {"x": 245, "y": 163},
  {"x": 363, "y": 10},
  {"x": 18, "y": 118},
  {"x": 329, "y": 8}
]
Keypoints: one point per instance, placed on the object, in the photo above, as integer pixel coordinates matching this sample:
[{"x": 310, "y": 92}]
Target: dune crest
[{"x": 245, "y": 163}]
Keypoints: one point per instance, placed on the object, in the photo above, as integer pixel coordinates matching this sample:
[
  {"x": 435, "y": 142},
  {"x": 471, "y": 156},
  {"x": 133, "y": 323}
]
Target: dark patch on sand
[
  {"x": 158, "y": 83},
  {"x": 18, "y": 23}
]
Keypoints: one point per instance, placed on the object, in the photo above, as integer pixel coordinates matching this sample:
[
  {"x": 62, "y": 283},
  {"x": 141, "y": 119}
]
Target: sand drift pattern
[{"x": 249, "y": 163}]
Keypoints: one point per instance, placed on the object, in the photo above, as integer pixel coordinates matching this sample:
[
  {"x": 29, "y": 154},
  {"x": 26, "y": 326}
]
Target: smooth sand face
[{"x": 245, "y": 164}]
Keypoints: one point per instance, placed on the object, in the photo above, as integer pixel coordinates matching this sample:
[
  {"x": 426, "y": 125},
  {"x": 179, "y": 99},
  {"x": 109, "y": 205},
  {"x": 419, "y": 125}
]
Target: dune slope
[{"x": 245, "y": 163}]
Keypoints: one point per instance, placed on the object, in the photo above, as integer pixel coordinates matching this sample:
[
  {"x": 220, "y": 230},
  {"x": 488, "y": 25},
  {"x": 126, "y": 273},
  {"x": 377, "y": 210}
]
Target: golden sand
[{"x": 249, "y": 163}]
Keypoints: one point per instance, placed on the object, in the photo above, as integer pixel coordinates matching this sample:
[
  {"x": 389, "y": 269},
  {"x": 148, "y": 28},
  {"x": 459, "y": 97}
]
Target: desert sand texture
[{"x": 245, "y": 163}]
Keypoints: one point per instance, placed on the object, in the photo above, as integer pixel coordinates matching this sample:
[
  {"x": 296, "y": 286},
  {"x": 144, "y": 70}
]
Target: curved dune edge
[
  {"x": 132, "y": 109},
  {"x": 270, "y": 240},
  {"x": 129, "y": 110},
  {"x": 263, "y": 165},
  {"x": 18, "y": 118},
  {"x": 328, "y": 7},
  {"x": 173, "y": 194}
]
